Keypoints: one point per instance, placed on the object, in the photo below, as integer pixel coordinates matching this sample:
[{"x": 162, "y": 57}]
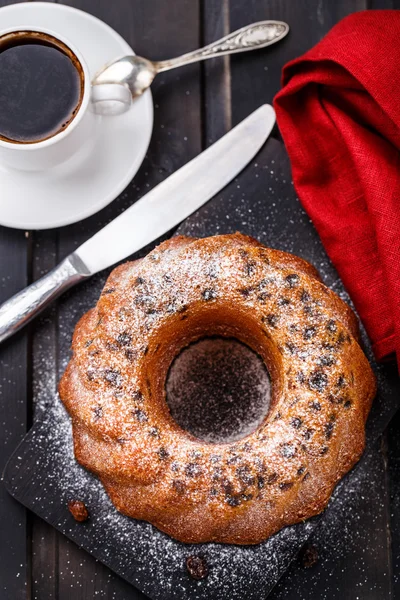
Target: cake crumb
[
  {"x": 197, "y": 567},
  {"x": 309, "y": 556},
  {"x": 78, "y": 510}
]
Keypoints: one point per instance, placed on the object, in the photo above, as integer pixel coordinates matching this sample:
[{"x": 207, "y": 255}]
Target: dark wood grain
[
  {"x": 383, "y": 4},
  {"x": 217, "y": 107},
  {"x": 393, "y": 441},
  {"x": 82, "y": 577},
  {"x": 21, "y": 535},
  {"x": 44, "y": 539},
  {"x": 256, "y": 75},
  {"x": 14, "y": 394},
  {"x": 14, "y": 415}
]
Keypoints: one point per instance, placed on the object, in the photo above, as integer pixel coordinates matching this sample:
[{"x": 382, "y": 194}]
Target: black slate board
[{"x": 43, "y": 475}]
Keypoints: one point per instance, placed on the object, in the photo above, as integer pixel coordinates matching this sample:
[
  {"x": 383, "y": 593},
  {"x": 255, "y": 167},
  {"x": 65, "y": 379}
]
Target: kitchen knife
[{"x": 164, "y": 207}]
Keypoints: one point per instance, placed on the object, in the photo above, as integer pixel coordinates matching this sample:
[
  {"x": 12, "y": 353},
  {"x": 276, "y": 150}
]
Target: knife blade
[
  {"x": 180, "y": 195},
  {"x": 161, "y": 209}
]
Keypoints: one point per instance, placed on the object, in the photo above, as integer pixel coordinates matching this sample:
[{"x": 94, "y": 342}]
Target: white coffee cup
[{"x": 81, "y": 131}]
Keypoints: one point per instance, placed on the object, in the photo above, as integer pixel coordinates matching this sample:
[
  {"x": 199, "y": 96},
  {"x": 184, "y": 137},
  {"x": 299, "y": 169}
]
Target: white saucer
[{"x": 85, "y": 184}]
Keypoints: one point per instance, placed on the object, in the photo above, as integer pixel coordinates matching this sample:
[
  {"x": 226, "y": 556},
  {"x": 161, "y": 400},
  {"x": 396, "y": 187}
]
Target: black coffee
[{"x": 41, "y": 86}]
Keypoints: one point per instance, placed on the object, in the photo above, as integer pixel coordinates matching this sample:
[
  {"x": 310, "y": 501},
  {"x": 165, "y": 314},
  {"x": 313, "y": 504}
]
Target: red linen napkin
[{"x": 339, "y": 115}]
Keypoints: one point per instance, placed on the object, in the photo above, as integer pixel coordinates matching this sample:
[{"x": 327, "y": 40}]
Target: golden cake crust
[{"x": 232, "y": 286}]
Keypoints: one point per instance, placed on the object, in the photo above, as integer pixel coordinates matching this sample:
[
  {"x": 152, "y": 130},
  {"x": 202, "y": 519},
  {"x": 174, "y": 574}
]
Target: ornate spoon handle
[{"x": 251, "y": 37}]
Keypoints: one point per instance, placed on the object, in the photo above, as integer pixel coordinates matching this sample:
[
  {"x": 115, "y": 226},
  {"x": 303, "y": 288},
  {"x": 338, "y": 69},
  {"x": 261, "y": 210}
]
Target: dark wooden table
[{"x": 357, "y": 555}]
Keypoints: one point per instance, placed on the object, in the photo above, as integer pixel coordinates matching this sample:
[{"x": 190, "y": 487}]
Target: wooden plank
[
  {"x": 256, "y": 75},
  {"x": 17, "y": 530},
  {"x": 217, "y": 110},
  {"x": 83, "y": 577},
  {"x": 44, "y": 576},
  {"x": 14, "y": 414},
  {"x": 383, "y": 4},
  {"x": 14, "y": 366},
  {"x": 393, "y": 441}
]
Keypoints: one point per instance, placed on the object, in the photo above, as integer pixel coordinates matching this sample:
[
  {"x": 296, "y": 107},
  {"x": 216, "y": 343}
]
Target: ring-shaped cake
[{"x": 114, "y": 389}]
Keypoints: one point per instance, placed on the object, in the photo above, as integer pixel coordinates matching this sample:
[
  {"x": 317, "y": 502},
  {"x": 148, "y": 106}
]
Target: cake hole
[{"x": 218, "y": 390}]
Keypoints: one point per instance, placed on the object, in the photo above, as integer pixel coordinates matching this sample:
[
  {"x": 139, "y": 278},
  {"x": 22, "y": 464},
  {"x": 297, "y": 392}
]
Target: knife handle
[{"x": 24, "y": 306}]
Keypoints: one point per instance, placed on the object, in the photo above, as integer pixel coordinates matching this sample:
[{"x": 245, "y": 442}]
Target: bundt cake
[{"x": 114, "y": 389}]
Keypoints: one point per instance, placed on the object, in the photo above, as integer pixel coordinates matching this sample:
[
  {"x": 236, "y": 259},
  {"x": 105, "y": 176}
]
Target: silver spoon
[{"x": 137, "y": 73}]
